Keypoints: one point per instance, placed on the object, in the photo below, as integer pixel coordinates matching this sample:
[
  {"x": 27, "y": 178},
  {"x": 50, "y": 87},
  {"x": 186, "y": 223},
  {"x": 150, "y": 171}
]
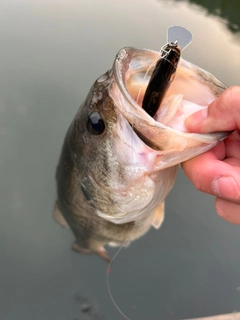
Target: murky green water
[{"x": 51, "y": 52}]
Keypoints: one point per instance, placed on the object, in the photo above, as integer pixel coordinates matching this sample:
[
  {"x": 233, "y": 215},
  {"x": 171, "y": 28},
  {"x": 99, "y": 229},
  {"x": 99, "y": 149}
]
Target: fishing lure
[{"x": 162, "y": 77}]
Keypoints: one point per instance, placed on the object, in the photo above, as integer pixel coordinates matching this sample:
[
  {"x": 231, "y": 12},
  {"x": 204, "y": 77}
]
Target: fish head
[{"x": 126, "y": 159}]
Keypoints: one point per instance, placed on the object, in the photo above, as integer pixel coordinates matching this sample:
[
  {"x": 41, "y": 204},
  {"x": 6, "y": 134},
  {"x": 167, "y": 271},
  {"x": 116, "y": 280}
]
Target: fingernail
[
  {"x": 196, "y": 118},
  {"x": 227, "y": 187}
]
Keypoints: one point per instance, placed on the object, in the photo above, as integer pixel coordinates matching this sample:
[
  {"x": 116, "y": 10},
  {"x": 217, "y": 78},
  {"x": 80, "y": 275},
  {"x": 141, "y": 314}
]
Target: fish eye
[{"x": 95, "y": 124}]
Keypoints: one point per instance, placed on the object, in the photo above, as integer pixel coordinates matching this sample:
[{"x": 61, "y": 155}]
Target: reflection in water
[{"x": 228, "y": 10}]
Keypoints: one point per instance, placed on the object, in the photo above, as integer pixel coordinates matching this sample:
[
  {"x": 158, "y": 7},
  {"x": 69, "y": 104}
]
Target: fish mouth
[{"x": 192, "y": 89}]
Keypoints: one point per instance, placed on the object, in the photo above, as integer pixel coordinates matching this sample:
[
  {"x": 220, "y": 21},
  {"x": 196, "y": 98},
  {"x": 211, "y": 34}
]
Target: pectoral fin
[
  {"x": 158, "y": 216},
  {"x": 59, "y": 217},
  {"x": 100, "y": 251}
]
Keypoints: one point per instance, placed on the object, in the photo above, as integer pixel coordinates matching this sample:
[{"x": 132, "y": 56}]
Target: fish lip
[{"x": 122, "y": 61}]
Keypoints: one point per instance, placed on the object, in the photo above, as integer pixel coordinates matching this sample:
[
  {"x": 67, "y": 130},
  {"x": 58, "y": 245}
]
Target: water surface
[{"x": 51, "y": 53}]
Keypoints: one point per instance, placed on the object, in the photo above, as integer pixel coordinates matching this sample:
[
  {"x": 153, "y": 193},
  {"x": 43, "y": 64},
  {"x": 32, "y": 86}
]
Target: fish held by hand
[{"x": 118, "y": 162}]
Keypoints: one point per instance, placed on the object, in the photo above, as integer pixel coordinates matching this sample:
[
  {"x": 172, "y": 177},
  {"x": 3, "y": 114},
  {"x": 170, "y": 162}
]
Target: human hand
[{"x": 217, "y": 171}]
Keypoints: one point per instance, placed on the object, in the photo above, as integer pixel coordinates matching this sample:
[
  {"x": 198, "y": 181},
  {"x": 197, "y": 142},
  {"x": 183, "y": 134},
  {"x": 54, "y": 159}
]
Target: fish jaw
[{"x": 134, "y": 188}]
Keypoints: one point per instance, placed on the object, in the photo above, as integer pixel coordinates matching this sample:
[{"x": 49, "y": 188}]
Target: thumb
[{"x": 223, "y": 114}]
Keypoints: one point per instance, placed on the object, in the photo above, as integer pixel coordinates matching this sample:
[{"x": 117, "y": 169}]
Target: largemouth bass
[{"x": 118, "y": 163}]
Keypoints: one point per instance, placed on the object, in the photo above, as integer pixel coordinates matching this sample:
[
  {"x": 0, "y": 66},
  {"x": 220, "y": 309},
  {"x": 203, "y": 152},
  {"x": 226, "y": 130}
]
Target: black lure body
[{"x": 161, "y": 78}]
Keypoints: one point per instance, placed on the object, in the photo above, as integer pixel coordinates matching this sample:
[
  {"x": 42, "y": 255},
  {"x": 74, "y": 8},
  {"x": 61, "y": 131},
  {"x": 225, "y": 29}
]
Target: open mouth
[{"x": 191, "y": 89}]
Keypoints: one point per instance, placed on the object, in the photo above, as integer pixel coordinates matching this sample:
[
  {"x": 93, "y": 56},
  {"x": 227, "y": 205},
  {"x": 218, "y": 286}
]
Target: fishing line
[
  {"x": 108, "y": 284},
  {"x": 175, "y": 33}
]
